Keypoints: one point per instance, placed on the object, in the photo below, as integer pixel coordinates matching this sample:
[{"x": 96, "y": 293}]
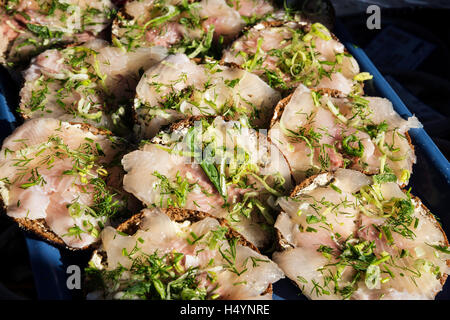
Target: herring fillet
[
  {"x": 43, "y": 177},
  {"x": 159, "y": 234},
  {"x": 91, "y": 90},
  {"x": 311, "y": 134},
  {"x": 258, "y": 50},
  {"x": 154, "y": 173},
  {"x": 413, "y": 267},
  {"x": 177, "y": 88}
]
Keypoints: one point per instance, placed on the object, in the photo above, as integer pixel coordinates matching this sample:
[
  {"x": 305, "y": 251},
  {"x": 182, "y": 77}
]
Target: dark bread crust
[
  {"x": 307, "y": 182},
  {"x": 190, "y": 122},
  {"x": 132, "y": 225},
  {"x": 92, "y": 129},
  {"x": 40, "y": 228},
  {"x": 279, "y": 109}
]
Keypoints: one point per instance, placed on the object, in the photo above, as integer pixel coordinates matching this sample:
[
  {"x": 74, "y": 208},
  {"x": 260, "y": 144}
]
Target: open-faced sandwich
[
  {"x": 322, "y": 130},
  {"x": 166, "y": 254},
  {"x": 345, "y": 235},
  {"x": 288, "y": 53},
  {"x": 62, "y": 181},
  {"x": 28, "y": 27},
  {"x": 91, "y": 83},
  {"x": 177, "y": 88},
  {"x": 216, "y": 166}
]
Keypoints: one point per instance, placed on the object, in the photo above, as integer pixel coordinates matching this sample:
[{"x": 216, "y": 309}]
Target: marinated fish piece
[
  {"x": 185, "y": 26},
  {"x": 61, "y": 180},
  {"x": 32, "y": 26},
  {"x": 88, "y": 84},
  {"x": 9, "y": 31},
  {"x": 320, "y": 130},
  {"x": 286, "y": 54},
  {"x": 195, "y": 251},
  {"x": 252, "y": 10},
  {"x": 177, "y": 88},
  {"x": 220, "y": 167},
  {"x": 68, "y": 16},
  {"x": 346, "y": 235}
]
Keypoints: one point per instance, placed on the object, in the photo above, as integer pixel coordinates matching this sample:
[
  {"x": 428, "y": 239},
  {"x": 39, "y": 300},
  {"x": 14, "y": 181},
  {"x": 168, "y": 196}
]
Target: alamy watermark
[
  {"x": 74, "y": 277},
  {"x": 374, "y": 20}
]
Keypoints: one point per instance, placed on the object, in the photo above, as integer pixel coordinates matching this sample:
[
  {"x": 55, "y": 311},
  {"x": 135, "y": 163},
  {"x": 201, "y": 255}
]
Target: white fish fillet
[
  {"x": 53, "y": 170},
  {"x": 284, "y": 57},
  {"x": 188, "y": 28},
  {"x": 85, "y": 83},
  {"x": 322, "y": 221},
  {"x": 159, "y": 234},
  {"x": 177, "y": 88},
  {"x": 162, "y": 178},
  {"x": 312, "y": 135}
]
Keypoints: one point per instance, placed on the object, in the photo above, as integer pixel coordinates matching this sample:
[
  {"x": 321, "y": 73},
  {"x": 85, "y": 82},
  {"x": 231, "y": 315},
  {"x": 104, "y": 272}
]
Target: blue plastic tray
[{"x": 430, "y": 181}]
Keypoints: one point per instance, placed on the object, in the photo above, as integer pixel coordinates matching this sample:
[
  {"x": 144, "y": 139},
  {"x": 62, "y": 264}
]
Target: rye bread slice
[
  {"x": 132, "y": 225},
  {"x": 123, "y": 17},
  {"x": 39, "y": 227},
  {"x": 280, "y": 107},
  {"x": 324, "y": 179},
  {"x": 304, "y": 24},
  {"x": 190, "y": 121}
]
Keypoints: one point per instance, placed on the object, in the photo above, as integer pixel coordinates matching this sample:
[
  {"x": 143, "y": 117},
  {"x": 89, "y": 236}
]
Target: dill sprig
[{"x": 152, "y": 277}]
